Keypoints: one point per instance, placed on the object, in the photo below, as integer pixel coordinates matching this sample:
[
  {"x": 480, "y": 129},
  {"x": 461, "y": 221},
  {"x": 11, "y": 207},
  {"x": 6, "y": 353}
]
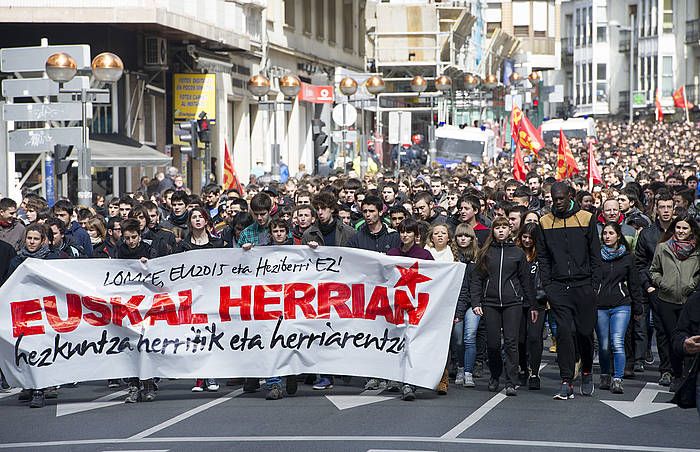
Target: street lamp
[
  {"x": 418, "y": 84},
  {"x": 61, "y": 68},
  {"x": 630, "y": 29},
  {"x": 490, "y": 82},
  {"x": 259, "y": 86},
  {"x": 375, "y": 86},
  {"x": 347, "y": 87}
]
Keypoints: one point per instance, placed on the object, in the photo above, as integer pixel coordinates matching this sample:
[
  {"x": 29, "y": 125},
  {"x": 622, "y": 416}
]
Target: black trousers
[
  {"x": 508, "y": 320},
  {"x": 662, "y": 340},
  {"x": 530, "y": 343},
  {"x": 575, "y": 311},
  {"x": 668, "y": 314},
  {"x": 636, "y": 340}
]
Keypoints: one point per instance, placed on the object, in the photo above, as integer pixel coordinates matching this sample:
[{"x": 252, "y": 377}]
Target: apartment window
[
  {"x": 590, "y": 83},
  {"x": 602, "y": 34},
  {"x": 348, "y": 26},
  {"x": 601, "y": 91},
  {"x": 491, "y": 27},
  {"x": 492, "y": 17},
  {"x": 320, "y": 19},
  {"x": 602, "y": 12},
  {"x": 667, "y": 76},
  {"x": 601, "y": 71},
  {"x": 307, "y": 17},
  {"x": 521, "y": 19},
  {"x": 578, "y": 27},
  {"x": 668, "y": 16},
  {"x": 363, "y": 30},
  {"x": 589, "y": 25},
  {"x": 521, "y": 30},
  {"x": 539, "y": 18},
  {"x": 289, "y": 14},
  {"x": 584, "y": 27},
  {"x": 331, "y": 22}
]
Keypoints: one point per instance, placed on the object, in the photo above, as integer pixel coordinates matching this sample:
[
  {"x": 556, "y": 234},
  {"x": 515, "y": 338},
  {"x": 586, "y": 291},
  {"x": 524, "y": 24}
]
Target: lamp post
[
  {"x": 61, "y": 68},
  {"x": 374, "y": 86},
  {"x": 616, "y": 24},
  {"x": 347, "y": 87},
  {"x": 471, "y": 82},
  {"x": 259, "y": 86}
]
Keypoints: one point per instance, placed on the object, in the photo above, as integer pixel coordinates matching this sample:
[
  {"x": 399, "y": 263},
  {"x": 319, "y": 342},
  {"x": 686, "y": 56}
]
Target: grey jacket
[
  {"x": 14, "y": 235},
  {"x": 343, "y": 233}
]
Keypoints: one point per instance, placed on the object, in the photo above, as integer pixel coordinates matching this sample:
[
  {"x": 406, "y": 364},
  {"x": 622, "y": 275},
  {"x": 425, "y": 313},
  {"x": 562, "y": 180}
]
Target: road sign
[
  {"x": 34, "y": 141},
  {"x": 27, "y": 87},
  {"x": 344, "y": 115},
  {"x": 33, "y": 59},
  {"x": 69, "y": 111},
  {"x": 399, "y": 127},
  {"x": 639, "y": 99},
  {"x": 350, "y": 136}
]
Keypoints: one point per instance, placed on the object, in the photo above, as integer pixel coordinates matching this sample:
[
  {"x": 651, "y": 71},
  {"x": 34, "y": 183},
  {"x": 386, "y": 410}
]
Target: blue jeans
[
  {"x": 611, "y": 328},
  {"x": 471, "y": 323}
]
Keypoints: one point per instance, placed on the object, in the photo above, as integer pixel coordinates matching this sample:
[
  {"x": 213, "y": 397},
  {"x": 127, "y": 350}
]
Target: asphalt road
[{"x": 90, "y": 417}]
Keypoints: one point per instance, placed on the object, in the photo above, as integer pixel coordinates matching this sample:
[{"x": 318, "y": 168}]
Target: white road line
[
  {"x": 476, "y": 416},
  {"x": 187, "y": 414},
  {"x": 136, "y": 450},
  {"x": 379, "y": 439},
  {"x": 9, "y": 392}
]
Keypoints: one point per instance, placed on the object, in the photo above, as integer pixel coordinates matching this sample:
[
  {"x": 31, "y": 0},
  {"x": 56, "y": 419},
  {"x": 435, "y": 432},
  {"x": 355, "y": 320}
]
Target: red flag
[
  {"x": 519, "y": 172},
  {"x": 594, "y": 176},
  {"x": 679, "y": 99},
  {"x": 566, "y": 164},
  {"x": 659, "y": 111},
  {"x": 524, "y": 133},
  {"x": 230, "y": 179}
]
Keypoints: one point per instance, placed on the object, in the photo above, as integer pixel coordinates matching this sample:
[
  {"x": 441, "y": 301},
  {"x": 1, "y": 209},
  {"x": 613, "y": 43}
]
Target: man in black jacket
[
  {"x": 644, "y": 253},
  {"x": 374, "y": 235},
  {"x": 7, "y": 252},
  {"x": 568, "y": 250}
]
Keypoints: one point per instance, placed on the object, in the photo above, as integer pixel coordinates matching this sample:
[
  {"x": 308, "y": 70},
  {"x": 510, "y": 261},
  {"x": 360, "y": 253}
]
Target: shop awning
[{"x": 117, "y": 150}]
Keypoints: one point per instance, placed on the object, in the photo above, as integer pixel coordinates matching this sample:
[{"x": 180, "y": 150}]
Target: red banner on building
[{"x": 316, "y": 94}]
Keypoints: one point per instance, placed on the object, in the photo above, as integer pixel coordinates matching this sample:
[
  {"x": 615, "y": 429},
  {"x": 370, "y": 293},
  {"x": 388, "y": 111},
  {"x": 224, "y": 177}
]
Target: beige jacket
[{"x": 673, "y": 278}]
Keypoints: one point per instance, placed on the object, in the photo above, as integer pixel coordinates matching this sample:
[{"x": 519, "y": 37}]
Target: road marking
[
  {"x": 380, "y": 439},
  {"x": 366, "y": 397},
  {"x": 482, "y": 411},
  {"x": 63, "y": 409},
  {"x": 399, "y": 450},
  {"x": 10, "y": 392},
  {"x": 186, "y": 415},
  {"x": 136, "y": 450},
  {"x": 643, "y": 404}
]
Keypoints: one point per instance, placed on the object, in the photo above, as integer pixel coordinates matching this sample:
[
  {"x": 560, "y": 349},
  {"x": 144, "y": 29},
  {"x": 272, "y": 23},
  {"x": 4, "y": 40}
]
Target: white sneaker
[
  {"x": 212, "y": 385},
  {"x": 468, "y": 380},
  {"x": 375, "y": 383},
  {"x": 459, "y": 379}
]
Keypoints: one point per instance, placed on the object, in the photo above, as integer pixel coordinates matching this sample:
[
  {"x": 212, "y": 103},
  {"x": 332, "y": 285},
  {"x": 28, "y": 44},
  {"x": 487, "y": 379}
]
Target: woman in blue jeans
[
  {"x": 618, "y": 297},
  {"x": 466, "y": 322}
]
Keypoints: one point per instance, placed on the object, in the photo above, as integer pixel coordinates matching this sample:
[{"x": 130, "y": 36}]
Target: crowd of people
[{"x": 602, "y": 270}]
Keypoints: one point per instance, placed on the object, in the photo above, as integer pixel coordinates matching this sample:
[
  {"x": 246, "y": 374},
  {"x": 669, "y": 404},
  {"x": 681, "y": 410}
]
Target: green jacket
[{"x": 673, "y": 278}]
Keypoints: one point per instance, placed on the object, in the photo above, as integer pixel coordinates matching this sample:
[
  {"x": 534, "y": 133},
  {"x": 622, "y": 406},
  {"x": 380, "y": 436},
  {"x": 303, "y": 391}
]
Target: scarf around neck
[
  {"x": 327, "y": 228},
  {"x": 682, "y": 249},
  {"x": 610, "y": 254},
  {"x": 41, "y": 253}
]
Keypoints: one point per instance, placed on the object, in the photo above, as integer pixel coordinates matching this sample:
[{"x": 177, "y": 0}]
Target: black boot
[{"x": 38, "y": 400}]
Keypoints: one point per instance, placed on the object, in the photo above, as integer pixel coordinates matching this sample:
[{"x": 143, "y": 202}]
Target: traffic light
[
  {"x": 187, "y": 131},
  {"x": 61, "y": 152},
  {"x": 203, "y": 128},
  {"x": 319, "y": 137}
]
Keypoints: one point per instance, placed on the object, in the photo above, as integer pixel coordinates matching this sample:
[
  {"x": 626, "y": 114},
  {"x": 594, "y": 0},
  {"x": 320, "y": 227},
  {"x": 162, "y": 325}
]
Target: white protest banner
[{"x": 229, "y": 313}]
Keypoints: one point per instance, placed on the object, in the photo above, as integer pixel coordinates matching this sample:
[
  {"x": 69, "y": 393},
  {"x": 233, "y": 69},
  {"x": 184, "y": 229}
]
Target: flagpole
[{"x": 685, "y": 105}]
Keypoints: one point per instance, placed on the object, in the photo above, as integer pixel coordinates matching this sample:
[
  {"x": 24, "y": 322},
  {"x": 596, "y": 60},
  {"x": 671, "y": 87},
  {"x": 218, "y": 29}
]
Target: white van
[
  {"x": 572, "y": 127},
  {"x": 454, "y": 144}
]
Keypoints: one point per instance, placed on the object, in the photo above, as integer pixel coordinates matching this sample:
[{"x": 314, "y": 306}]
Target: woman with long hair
[
  {"x": 619, "y": 296},
  {"x": 500, "y": 286},
  {"x": 530, "y": 338},
  {"x": 675, "y": 273},
  {"x": 467, "y": 248}
]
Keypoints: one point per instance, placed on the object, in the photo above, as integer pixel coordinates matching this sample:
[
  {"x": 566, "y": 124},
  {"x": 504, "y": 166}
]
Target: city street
[{"x": 90, "y": 417}]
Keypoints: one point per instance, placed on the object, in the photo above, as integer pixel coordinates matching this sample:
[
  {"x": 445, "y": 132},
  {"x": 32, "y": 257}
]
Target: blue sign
[{"x": 49, "y": 181}]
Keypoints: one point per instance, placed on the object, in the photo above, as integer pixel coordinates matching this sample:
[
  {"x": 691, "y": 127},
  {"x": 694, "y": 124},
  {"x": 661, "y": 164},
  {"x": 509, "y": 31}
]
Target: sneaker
[
  {"x": 639, "y": 366},
  {"x": 134, "y": 394},
  {"x": 148, "y": 393},
  {"x": 478, "y": 369},
  {"x": 211, "y": 385},
  {"x": 459, "y": 379},
  {"x": 493, "y": 385},
  {"x": 665, "y": 379},
  {"x": 291, "y": 385},
  {"x": 375, "y": 383},
  {"x": 522, "y": 378},
  {"x": 275, "y": 393},
  {"x": 444, "y": 384},
  {"x": 325, "y": 383},
  {"x": 605, "y": 382},
  {"x": 408, "y": 393},
  {"x": 675, "y": 384},
  {"x": 38, "y": 400},
  {"x": 251, "y": 385},
  {"x": 113, "y": 384},
  {"x": 468, "y": 380},
  {"x": 511, "y": 391},
  {"x": 393, "y": 386},
  {"x": 617, "y": 386},
  {"x": 566, "y": 392},
  {"x": 587, "y": 386},
  {"x": 25, "y": 395},
  {"x": 533, "y": 383},
  {"x": 649, "y": 357},
  {"x": 51, "y": 393},
  {"x": 198, "y": 385}
]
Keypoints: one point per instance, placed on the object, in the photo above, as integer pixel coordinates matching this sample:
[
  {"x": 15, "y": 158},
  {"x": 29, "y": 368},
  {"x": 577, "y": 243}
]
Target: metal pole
[
  {"x": 207, "y": 163},
  {"x": 84, "y": 177},
  {"x": 398, "y": 152},
  {"x": 275, "y": 145},
  {"x": 363, "y": 141},
  {"x": 432, "y": 146},
  {"x": 631, "y": 69}
]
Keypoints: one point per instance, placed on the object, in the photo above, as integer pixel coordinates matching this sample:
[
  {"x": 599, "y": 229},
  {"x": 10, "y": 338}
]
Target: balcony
[
  {"x": 624, "y": 101},
  {"x": 691, "y": 94},
  {"x": 567, "y": 52},
  {"x": 539, "y": 46},
  {"x": 624, "y": 45},
  {"x": 692, "y": 32}
]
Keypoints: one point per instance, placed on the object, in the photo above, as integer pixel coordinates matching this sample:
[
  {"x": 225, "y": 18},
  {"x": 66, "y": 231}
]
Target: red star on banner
[{"x": 410, "y": 277}]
